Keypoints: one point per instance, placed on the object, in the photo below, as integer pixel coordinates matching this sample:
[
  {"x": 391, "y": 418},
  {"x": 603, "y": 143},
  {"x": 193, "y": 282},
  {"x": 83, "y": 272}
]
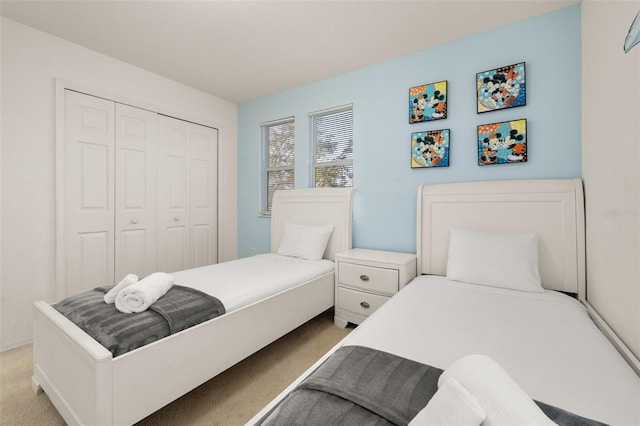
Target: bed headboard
[
  {"x": 553, "y": 209},
  {"x": 315, "y": 206}
]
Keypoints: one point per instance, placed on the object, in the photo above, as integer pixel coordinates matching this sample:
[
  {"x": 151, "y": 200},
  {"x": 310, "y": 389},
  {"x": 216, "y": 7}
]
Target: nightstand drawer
[
  {"x": 359, "y": 302},
  {"x": 369, "y": 278}
]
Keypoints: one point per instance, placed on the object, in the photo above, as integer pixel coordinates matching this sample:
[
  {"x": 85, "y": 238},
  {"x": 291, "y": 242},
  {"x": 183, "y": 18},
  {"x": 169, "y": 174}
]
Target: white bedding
[
  {"x": 240, "y": 282},
  {"x": 436, "y": 321}
]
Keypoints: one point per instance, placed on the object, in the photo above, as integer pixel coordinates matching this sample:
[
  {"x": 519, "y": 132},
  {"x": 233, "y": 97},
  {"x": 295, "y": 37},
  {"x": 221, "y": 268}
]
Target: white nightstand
[{"x": 365, "y": 279}]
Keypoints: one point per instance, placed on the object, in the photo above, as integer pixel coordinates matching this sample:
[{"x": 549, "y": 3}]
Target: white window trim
[
  {"x": 264, "y": 162},
  {"x": 312, "y": 131}
]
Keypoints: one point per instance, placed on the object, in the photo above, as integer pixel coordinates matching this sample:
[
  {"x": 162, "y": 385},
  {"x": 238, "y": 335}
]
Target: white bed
[
  {"x": 89, "y": 386},
  {"x": 248, "y": 280},
  {"x": 545, "y": 341}
]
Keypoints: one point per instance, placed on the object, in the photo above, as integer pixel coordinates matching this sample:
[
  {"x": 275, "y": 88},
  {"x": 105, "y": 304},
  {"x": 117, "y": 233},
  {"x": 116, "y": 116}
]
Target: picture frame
[
  {"x": 430, "y": 149},
  {"x": 503, "y": 142},
  {"x": 428, "y": 102},
  {"x": 500, "y": 88}
]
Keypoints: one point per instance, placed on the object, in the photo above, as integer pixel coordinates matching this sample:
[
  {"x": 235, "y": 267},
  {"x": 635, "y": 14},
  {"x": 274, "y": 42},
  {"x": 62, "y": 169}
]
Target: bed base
[{"x": 90, "y": 387}]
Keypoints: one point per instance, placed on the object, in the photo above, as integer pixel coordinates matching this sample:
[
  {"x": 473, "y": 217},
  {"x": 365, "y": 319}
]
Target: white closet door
[
  {"x": 89, "y": 192},
  {"x": 204, "y": 195},
  {"x": 135, "y": 180},
  {"x": 187, "y": 195},
  {"x": 173, "y": 195}
]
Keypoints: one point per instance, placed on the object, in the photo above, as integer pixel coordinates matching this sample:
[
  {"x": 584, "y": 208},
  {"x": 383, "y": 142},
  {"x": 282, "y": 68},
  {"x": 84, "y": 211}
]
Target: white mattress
[
  {"x": 240, "y": 282},
  {"x": 546, "y": 341}
]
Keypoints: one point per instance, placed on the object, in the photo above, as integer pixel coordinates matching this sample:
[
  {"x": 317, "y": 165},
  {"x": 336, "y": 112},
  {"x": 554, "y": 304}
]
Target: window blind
[
  {"x": 279, "y": 159},
  {"x": 332, "y": 133}
]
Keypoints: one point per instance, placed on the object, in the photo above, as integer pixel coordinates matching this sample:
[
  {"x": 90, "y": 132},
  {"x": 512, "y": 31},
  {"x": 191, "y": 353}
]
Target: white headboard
[
  {"x": 553, "y": 209},
  {"x": 315, "y": 206}
]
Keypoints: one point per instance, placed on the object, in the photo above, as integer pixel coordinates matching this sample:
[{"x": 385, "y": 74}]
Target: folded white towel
[
  {"x": 502, "y": 399},
  {"x": 129, "y": 279},
  {"x": 139, "y": 296},
  {"x": 452, "y": 405}
]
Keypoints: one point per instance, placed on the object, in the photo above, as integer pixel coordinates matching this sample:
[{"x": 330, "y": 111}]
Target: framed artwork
[
  {"x": 504, "y": 142},
  {"x": 430, "y": 149},
  {"x": 428, "y": 102},
  {"x": 501, "y": 88}
]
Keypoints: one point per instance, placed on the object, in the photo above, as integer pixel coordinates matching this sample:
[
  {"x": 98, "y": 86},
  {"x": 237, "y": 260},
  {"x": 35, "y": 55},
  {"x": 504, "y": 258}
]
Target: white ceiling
[{"x": 244, "y": 50}]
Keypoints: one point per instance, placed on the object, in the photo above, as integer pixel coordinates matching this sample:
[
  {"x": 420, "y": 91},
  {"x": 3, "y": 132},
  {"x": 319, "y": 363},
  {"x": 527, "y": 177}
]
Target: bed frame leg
[
  {"x": 340, "y": 322},
  {"x": 35, "y": 386}
]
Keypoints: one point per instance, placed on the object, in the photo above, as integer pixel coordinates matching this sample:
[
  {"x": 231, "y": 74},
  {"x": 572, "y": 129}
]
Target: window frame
[
  {"x": 313, "y": 116},
  {"x": 265, "y": 210}
]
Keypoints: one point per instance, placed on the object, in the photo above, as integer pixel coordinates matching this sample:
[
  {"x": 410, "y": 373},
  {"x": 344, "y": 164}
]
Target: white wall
[
  {"x": 611, "y": 165},
  {"x": 31, "y": 61}
]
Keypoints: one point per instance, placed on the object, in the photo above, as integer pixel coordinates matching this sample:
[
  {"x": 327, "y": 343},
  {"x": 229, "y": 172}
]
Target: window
[
  {"x": 278, "y": 153},
  {"x": 332, "y": 136}
]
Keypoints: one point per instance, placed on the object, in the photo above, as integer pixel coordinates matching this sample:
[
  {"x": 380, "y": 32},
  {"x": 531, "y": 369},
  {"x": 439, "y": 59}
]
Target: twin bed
[
  {"x": 544, "y": 339},
  {"x": 265, "y": 297}
]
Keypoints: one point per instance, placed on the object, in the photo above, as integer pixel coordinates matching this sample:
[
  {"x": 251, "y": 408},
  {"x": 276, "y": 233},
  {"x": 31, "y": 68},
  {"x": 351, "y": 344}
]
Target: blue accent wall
[{"x": 386, "y": 185}]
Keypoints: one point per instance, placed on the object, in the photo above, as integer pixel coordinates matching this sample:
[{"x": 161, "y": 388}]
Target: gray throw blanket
[
  {"x": 359, "y": 385},
  {"x": 363, "y": 386},
  {"x": 180, "y": 308}
]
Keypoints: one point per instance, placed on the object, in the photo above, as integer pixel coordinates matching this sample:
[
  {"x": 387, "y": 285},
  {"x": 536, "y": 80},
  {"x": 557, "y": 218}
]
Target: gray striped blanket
[{"x": 180, "y": 308}]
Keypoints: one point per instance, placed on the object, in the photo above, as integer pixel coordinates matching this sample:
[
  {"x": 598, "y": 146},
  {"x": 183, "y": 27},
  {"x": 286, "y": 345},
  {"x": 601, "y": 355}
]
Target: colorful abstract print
[
  {"x": 501, "y": 88},
  {"x": 428, "y": 102},
  {"x": 430, "y": 149},
  {"x": 504, "y": 142}
]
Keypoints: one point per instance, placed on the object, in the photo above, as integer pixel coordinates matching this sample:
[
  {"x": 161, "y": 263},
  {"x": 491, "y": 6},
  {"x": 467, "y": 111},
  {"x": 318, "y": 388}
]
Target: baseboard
[
  {"x": 15, "y": 345},
  {"x": 624, "y": 350}
]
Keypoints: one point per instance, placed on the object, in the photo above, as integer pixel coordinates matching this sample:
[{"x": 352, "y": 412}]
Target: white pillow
[
  {"x": 304, "y": 241},
  {"x": 496, "y": 260}
]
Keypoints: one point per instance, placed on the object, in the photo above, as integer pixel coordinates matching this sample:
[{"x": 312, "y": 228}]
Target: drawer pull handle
[
  {"x": 364, "y": 304},
  {"x": 364, "y": 277}
]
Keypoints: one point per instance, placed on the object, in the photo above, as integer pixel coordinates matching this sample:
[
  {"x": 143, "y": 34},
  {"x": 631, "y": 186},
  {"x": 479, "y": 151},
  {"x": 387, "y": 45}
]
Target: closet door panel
[
  {"x": 93, "y": 249},
  {"x": 94, "y": 175},
  {"x": 173, "y": 195},
  {"x": 177, "y": 248},
  {"x": 177, "y": 183},
  {"x": 89, "y": 192},
  {"x": 133, "y": 252},
  {"x": 136, "y": 191},
  {"x": 204, "y": 201},
  {"x": 202, "y": 252}
]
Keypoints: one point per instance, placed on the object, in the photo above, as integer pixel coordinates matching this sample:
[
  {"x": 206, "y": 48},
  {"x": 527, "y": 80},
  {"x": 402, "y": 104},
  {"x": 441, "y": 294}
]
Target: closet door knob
[
  {"x": 134, "y": 221},
  {"x": 364, "y": 304}
]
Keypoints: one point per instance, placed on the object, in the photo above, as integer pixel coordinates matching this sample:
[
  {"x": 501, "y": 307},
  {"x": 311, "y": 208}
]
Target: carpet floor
[{"x": 231, "y": 398}]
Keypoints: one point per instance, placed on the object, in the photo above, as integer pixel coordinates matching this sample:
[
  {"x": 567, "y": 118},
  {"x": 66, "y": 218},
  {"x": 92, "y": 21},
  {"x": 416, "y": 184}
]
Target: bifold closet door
[
  {"x": 140, "y": 193},
  {"x": 89, "y": 159},
  {"x": 136, "y": 191},
  {"x": 187, "y": 195},
  {"x": 204, "y": 195}
]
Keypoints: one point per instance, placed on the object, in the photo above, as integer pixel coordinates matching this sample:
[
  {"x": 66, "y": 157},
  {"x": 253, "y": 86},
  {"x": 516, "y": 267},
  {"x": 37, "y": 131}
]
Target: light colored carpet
[{"x": 231, "y": 398}]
